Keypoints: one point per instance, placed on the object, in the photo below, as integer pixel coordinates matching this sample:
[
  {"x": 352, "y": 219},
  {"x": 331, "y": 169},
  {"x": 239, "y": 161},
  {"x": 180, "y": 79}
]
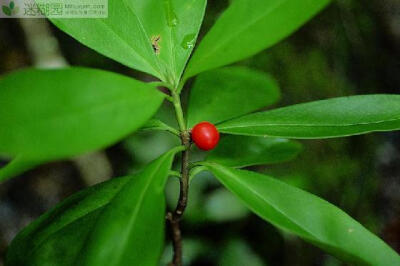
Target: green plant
[{"x": 121, "y": 222}]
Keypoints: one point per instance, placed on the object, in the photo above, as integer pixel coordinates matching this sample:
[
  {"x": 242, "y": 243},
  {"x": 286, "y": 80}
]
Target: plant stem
[
  {"x": 178, "y": 111},
  {"x": 176, "y": 240},
  {"x": 184, "y": 181},
  {"x": 175, "y": 217}
]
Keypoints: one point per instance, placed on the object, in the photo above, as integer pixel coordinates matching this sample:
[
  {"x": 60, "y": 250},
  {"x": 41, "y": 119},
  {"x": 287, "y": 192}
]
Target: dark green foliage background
[{"x": 352, "y": 47}]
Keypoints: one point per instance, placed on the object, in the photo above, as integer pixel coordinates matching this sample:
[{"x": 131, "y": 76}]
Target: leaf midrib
[
  {"x": 263, "y": 200},
  {"x": 143, "y": 59},
  {"x": 311, "y": 125},
  {"x": 312, "y": 237},
  {"x": 316, "y": 239},
  {"x": 77, "y": 218},
  {"x": 139, "y": 204},
  {"x": 147, "y": 37}
]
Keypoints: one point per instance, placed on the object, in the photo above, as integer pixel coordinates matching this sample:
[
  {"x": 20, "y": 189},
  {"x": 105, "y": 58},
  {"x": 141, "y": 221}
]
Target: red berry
[{"x": 205, "y": 135}]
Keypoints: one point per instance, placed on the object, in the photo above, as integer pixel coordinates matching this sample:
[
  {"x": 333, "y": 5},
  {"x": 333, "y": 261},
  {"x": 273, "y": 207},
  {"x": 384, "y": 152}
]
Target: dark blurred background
[{"x": 352, "y": 47}]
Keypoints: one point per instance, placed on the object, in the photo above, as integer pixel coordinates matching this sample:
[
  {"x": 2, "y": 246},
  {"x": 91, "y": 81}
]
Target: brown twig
[{"x": 174, "y": 218}]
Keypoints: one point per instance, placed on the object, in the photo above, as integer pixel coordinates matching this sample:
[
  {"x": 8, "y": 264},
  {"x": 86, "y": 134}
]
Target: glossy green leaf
[
  {"x": 230, "y": 92},
  {"x": 57, "y": 237},
  {"x": 54, "y": 114},
  {"x": 248, "y": 27},
  {"x": 153, "y": 36},
  {"x": 338, "y": 117},
  {"x": 130, "y": 231},
  {"x": 303, "y": 214},
  {"x": 242, "y": 151},
  {"x": 119, "y": 222}
]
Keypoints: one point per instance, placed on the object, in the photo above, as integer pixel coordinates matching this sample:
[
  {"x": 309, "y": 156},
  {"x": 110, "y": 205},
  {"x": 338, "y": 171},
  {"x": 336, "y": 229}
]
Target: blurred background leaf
[
  {"x": 226, "y": 93},
  {"x": 237, "y": 253},
  {"x": 223, "y": 206},
  {"x": 242, "y": 151}
]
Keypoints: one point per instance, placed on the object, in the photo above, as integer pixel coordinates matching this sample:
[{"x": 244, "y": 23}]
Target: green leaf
[
  {"x": 248, "y": 27},
  {"x": 307, "y": 216},
  {"x": 130, "y": 231},
  {"x": 119, "y": 222},
  {"x": 158, "y": 125},
  {"x": 336, "y": 117},
  {"x": 55, "y": 114},
  {"x": 64, "y": 228},
  {"x": 6, "y": 10},
  {"x": 151, "y": 36},
  {"x": 12, "y": 5},
  {"x": 230, "y": 92},
  {"x": 243, "y": 151},
  {"x": 16, "y": 167}
]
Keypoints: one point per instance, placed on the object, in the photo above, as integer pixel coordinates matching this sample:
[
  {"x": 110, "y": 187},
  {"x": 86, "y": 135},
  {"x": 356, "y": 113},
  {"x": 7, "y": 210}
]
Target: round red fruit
[{"x": 205, "y": 135}]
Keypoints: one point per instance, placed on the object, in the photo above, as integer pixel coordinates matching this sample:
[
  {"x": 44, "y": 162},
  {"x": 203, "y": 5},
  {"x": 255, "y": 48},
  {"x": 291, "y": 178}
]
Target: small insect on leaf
[{"x": 155, "y": 44}]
